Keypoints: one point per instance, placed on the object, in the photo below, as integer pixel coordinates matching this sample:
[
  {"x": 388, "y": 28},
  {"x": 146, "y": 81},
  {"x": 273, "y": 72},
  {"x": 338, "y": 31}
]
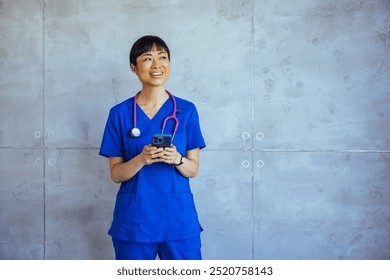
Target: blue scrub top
[{"x": 156, "y": 204}]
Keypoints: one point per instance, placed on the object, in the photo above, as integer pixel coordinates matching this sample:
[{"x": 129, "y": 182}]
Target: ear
[{"x": 133, "y": 68}]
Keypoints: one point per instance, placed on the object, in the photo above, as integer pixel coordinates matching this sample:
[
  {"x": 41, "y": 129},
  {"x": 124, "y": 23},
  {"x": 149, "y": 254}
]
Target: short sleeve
[
  {"x": 112, "y": 144},
  {"x": 194, "y": 134}
]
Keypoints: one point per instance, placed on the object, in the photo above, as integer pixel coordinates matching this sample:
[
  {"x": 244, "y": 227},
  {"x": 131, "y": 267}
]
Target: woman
[{"x": 154, "y": 212}]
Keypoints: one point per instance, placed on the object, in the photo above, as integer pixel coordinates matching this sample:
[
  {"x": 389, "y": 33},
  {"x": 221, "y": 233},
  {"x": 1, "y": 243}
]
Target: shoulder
[
  {"x": 124, "y": 106},
  {"x": 184, "y": 104}
]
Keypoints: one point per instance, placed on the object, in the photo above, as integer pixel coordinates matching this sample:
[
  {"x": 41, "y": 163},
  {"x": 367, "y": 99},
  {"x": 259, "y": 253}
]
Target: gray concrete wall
[{"x": 294, "y": 102}]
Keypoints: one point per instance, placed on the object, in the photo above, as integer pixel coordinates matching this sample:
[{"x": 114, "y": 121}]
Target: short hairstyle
[{"x": 145, "y": 44}]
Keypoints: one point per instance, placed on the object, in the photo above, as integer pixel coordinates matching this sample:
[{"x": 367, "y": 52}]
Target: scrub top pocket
[
  {"x": 182, "y": 214},
  {"x": 125, "y": 208}
]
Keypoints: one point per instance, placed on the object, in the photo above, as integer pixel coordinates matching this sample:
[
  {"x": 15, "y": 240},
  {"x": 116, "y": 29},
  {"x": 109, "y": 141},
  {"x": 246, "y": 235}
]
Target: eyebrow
[{"x": 148, "y": 54}]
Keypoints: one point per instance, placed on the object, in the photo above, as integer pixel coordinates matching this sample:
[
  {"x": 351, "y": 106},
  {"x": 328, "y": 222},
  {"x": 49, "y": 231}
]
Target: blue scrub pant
[{"x": 186, "y": 249}]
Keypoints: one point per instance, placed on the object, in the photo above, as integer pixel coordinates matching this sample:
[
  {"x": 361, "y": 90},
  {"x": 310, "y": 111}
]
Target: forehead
[{"x": 155, "y": 49}]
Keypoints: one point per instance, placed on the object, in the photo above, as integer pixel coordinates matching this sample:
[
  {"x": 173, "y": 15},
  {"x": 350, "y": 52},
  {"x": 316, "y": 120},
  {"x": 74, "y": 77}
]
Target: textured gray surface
[{"x": 294, "y": 103}]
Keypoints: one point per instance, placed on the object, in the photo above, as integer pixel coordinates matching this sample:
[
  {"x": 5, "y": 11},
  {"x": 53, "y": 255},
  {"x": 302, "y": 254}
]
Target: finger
[
  {"x": 155, "y": 151},
  {"x": 159, "y": 154},
  {"x": 171, "y": 148}
]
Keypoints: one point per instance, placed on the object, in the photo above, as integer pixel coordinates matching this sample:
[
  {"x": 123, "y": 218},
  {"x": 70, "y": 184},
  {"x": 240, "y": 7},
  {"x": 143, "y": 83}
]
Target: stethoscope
[{"x": 136, "y": 132}]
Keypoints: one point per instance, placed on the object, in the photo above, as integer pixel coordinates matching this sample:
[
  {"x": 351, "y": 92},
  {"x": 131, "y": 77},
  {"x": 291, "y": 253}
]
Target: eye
[{"x": 163, "y": 57}]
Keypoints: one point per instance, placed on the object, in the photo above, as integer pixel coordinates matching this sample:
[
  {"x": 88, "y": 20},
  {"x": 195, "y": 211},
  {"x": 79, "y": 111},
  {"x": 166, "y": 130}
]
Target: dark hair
[{"x": 145, "y": 44}]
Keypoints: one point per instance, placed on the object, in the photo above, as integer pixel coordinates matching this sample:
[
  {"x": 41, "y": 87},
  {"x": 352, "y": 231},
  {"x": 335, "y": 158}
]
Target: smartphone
[{"x": 161, "y": 140}]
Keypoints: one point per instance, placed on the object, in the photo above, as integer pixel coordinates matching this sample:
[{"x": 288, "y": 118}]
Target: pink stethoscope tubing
[{"x": 136, "y": 132}]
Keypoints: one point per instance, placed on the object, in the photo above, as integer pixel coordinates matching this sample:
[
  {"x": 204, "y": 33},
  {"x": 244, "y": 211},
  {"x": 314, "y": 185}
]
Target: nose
[{"x": 156, "y": 63}]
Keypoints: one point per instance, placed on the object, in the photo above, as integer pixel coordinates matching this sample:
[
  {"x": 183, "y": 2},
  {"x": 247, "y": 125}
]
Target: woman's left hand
[{"x": 171, "y": 156}]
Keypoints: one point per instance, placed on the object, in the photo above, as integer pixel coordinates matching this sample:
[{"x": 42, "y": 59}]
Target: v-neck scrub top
[{"x": 155, "y": 205}]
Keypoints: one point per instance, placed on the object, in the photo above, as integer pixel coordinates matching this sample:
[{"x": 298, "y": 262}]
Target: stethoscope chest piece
[{"x": 135, "y": 132}]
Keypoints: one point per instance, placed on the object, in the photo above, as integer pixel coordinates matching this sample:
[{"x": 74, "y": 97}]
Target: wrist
[{"x": 179, "y": 160}]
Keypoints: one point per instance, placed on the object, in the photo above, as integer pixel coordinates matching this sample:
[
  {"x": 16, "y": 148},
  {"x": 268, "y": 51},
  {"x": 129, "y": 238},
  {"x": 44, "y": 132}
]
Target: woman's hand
[
  {"x": 122, "y": 171},
  {"x": 170, "y": 155},
  {"x": 151, "y": 154}
]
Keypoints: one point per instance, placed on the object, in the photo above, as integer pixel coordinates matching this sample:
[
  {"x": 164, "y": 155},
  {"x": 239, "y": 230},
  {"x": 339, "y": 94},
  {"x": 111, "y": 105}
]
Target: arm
[{"x": 122, "y": 171}]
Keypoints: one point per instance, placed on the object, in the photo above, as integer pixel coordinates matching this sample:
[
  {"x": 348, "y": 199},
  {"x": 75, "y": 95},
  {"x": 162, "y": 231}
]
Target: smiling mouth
[{"x": 156, "y": 75}]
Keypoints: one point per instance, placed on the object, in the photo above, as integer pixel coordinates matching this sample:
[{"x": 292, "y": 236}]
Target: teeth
[{"x": 156, "y": 74}]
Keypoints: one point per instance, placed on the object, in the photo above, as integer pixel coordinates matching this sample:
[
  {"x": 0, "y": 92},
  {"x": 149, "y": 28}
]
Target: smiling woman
[
  {"x": 152, "y": 68},
  {"x": 155, "y": 212},
  {"x": 150, "y": 61}
]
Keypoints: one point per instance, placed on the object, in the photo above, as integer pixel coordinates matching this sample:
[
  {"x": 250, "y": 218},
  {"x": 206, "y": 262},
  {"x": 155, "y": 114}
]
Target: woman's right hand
[{"x": 151, "y": 154}]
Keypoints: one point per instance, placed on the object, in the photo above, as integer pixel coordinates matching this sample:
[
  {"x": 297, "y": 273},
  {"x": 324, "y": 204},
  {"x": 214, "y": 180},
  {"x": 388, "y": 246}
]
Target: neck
[{"x": 152, "y": 96}]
